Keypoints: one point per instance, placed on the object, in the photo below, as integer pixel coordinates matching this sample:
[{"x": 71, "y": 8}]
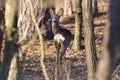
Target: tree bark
[
  {"x": 26, "y": 29},
  {"x": 68, "y": 8},
  {"x": 95, "y": 7},
  {"x": 9, "y": 68},
  {"x": 1, "y": 31},
  {"x": 89, "y": 38},
  {"x": 78, "y": 24}
]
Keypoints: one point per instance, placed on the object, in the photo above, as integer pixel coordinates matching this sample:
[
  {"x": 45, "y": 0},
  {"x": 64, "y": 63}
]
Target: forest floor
[{"x": 29, "y": 62}]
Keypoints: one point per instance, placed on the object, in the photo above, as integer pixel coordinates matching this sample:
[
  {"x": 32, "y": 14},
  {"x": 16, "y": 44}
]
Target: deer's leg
[
  {"x": 57, "y": 47},
  {"x": 62, "y": 57},
  {"x": 64, "y": 48}
]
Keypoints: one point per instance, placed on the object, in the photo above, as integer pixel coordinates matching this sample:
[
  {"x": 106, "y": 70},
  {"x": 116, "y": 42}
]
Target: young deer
[{"x": 62, "y": 37}]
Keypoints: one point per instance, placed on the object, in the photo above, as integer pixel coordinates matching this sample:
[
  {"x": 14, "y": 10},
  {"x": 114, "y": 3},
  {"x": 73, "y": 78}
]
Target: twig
[{"x": 115, "y": 70}]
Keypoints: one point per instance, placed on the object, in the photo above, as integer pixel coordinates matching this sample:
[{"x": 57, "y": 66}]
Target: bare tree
[
  {"x": 111, "y": 43},
  {"x": 78, "y": 24},
  {"x": 9, "y": 70},
  {"x": 89, "y": 38},
  {"x": 68, "y": 7},
  {"x": 26, "y": 29}
]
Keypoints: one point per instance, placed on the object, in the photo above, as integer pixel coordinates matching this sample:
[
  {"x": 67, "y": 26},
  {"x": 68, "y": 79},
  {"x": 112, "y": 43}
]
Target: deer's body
[{"x": 62, "y": 37}]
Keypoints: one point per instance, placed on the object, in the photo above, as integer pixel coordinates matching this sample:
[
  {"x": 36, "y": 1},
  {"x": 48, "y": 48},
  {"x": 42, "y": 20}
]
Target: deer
[{"x": 62, "y": 36}]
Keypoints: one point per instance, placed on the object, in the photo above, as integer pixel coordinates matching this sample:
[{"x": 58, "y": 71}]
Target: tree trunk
[
  {"x": 26, "y": 29},
  {"x": 111, "y": 43},
  {"x": 68, "y": 7},
  {"x": 2, "y": 8},
  {"x": 1, "y": 31},
  {"x": 78, "y": 24},
  {"x": 9, "y": 70},
  {"x": 95, "y": 7},
  {"x": 89, "y": 38}
]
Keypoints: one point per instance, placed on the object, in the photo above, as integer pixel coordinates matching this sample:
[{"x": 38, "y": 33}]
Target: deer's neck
[{"x": 55, "y": 27}]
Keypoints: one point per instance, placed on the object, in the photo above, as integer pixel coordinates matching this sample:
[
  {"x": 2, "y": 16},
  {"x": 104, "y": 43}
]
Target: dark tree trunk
[
  {"x": 95, "y": 7},
  {"x": 111, "y": 43},
  {"x": 1, "y": 32}
]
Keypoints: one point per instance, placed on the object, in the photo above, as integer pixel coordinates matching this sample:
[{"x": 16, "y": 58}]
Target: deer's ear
[
  {"x": 60, "y": 12},
  {"x": 52, "y": 12}
]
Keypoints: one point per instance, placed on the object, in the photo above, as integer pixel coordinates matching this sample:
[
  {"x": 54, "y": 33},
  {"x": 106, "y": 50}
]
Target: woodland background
[{"x": 22, "y": 44}]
